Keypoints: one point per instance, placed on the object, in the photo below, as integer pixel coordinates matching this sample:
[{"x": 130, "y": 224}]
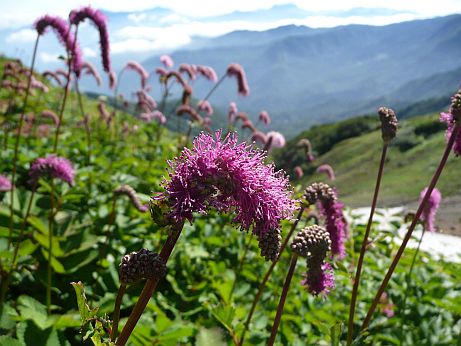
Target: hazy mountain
[{"x": 304, "y": 76}]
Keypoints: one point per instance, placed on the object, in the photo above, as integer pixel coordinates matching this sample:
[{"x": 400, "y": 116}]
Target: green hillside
[{"x": 411, "y": 161}]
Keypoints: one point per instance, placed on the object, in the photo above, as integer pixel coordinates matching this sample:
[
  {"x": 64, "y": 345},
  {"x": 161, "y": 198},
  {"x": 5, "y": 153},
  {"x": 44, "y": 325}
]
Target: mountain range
[{"x": 306, "y": 76}]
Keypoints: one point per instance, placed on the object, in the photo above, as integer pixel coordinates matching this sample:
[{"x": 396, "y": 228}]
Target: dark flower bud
[
  {"x": 389, "y": 123},
  {"x": 140, "y": 265},
  {"x": 455, "y": 109},
  {"x": 319, "y": 192},
  {"x": 270, "y": 245},
  {"x": 312, "y": 242}
]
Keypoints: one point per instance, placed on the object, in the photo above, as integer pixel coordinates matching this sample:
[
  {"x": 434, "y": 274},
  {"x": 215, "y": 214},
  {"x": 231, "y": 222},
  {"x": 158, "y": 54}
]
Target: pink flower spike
[
  {"x": 136, "y": 67},
  {"x": 235, "y": 70},
  {"x": 430, "y": 210},
  {"x": 450, "y": 120},
  {"x": 166, "y": 60},
  {"x": 89, "y": 69},
  {"x": 98, "y": 19},
  {"x": 205, "y": 106},
  {"x": 298, "y": 172},
  {"x": 325, "y": 168},
  {"x": 5, "y": 184},
  {"x": 208, "y": 72},
  {"x": 264, "y": 118},
  {"x": 278, "y": 140}
]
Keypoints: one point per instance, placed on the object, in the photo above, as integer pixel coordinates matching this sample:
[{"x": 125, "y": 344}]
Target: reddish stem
[
  {"x": 397, "y": 257},
  {"x": 149, "y": 287},
  {"x": 355, "y": 288},
  {"x": 283, "y": 297}
]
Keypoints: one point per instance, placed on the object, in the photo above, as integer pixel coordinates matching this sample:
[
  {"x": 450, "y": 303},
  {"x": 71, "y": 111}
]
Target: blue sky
[{"x": 136, "y": 29}]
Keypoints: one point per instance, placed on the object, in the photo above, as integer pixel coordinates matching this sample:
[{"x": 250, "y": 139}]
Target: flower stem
[
  {"x": 263, "y": 283},
  {"x": 18, "y": 136},
  {"x": 118, "y": 302},
  {"x": 408, "y": 278},
  {"x": 50, "y": 250},
  {"x": 239, "y": 269},
  {"x": 355, "y": 288},
  {"x": 214, "y": 88},
  {"x": 407, "y": 237},
  {"x": 70, "y": 58},
  {"x": 283, "y": 297},
  {"x": 149, "y": 287}
]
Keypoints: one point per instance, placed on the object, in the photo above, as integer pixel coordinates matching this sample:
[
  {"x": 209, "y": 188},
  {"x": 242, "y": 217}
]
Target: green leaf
[
  {"x": 225, "y": 315},
  {"x": 335, "y": 333},
  {"x": 31, "y": 309},
  {"x": 85, "y": 311},
  {"x": 9, "y": 341}
]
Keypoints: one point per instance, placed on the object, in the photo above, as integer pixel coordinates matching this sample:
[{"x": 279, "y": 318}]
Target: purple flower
[
  {"x": 51, "y": 115},
  {"x": 319, "y": 280},
  {"x": 237, "y": 71},
  {"x": 328, "y": 170},
  {"x": 188, "y": 69},
  {"x": 66, "y": 38},
  {"x": 99, "y": 20},
  {"x": 155, "y": 115},
  {"x": 428, "y": 215},
  {"x": 5, "y": 184},
  {"x": 450, "y": 120},
  {"x": 54, "y": 166},
  {"x": 230, "y": 177}
]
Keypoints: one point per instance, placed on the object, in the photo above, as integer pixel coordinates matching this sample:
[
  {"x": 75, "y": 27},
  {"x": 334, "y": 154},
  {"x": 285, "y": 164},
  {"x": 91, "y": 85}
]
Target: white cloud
[
  {"x": 22, "y": 36},
  {"x": 89, "y": 52},
  {"x": 49, "y": 57}
]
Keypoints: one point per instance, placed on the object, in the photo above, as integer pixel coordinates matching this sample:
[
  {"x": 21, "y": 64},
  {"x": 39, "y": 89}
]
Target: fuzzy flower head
[
  {"x": 54, "y": 166},
  {"x": 227, "y": 176},
  {"x": 428, "y": 215},
  {"x": 5, "y": 184}
]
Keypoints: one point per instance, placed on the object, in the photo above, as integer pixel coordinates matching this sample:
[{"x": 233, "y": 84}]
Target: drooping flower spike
[
  {"x": 89, "y": 69},
  {"x": 5, "y": 184},
  {"x": 131, "y": 193},
  {"x": 229, "y": 177},
  {"x": 428, "y": 215},
  {"x": 64, "y": 35},
  {"x": 328, "y": 170},
  {"x": 278, "y": 140},
  {"x": 451, "y": 119},
  {"x": 98, "y": 19},
  {"x": 237, "y": 71},
  {"x": 136, "y": 67},
  {"x": 167, "y": 61},
  {"x": 264, "y": 118}
]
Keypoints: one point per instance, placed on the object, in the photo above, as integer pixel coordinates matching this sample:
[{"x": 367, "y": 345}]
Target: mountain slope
[{"x": 306, "y": 76}]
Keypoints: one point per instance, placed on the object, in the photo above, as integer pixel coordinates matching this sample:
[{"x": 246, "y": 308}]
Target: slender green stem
[
  {"x": 50, "y": 249},
  {"x": 70, "y": 58},
  {"x": 363, "y": 249},
  {"x": 240, "y": 266},
  {"x": 149, "y": 287},
  {"x": 7, "y": 278},
  {"x": 283, "y": 297},
  {"x": 408, "y": 278},
  {"x": 214, "y": 88},
  {"x": 407, "y": 237},
  {"x": 263, "y": 283},
  {"x": 18, "y": 136},
  {"x": 118, "y": 303}
]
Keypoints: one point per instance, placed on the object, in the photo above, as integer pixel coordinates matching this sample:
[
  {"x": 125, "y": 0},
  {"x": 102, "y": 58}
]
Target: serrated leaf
[
  {"x": 9, "y": 341},
  {"x": 212, "y": 336},
  {"x": 335, "y": 333},
  {"x": 84, "y": 309}
]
